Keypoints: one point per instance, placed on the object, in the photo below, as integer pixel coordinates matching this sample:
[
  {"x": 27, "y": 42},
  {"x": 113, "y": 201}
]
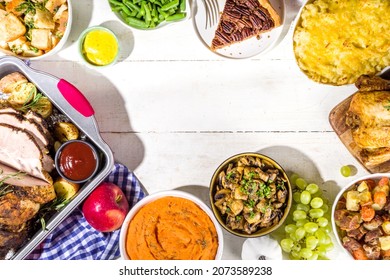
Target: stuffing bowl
[{"x": 54, "y": 24}]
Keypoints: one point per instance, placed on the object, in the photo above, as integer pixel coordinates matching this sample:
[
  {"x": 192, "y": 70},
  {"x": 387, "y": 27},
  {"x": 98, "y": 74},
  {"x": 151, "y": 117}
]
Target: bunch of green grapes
[{"x": 307, "y": 228}]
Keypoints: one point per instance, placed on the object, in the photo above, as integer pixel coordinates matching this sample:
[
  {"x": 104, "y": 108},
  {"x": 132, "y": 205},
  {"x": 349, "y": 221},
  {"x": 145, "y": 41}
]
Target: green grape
[
  {"x": 299, "y": 215},
  {"x": 296, "y": 248},
  {"x": 327, "y": 240},
  {"x": 294, "y": 255},
  {"x": 316, "y": 202},
  {"x": 316, "y": 213},
  {"x": 306, "y": 253},
  {"x": 313, "y": 257},
  {"x": 328, "y": 229},
  {"x": 300, "y": 233},
  {"x": 329, "y": 247},
  {"x": 311, "y": 242},
  {"x": 325, "y": 208},
  {"x": 301, "y": 223},
  {"x": 322, "y": 221},
  {"x": 321, "y": 236},
  {"x": 293, "y": 237},
  {"x": 321, "y": 251},
  {"x": 290, "y": 228},
  {"x": 345, "y": 171},
  {"x": 301, "y": 183},
  {"x": 305, "y": 197},
  {"x": 297, "y": 197},
  {"x": 303, "y": 207},
  {"x": 312, "y": 188},
  {"x": 310, "y": 227},
  {"x": 287, "y": 245},
  {"x": 294, "y": 178}
]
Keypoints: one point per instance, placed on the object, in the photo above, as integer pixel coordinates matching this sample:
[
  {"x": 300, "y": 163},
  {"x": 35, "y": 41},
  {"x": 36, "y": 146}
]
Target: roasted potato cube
[
  {"x": 363, "y": 187},
  {"x": 12, "y": 7},
  {"x": 43, "y": 107},
  {"x": 65, "y": 189},
  {"x": 52, "y": 5},
  {"x": 65, "y": 131},
  {"x": 365, "y": 198},
  {"x": 352, "y": 203},
  {"x": 384, "y": 242},
  {"x": 386, "y": 227}
]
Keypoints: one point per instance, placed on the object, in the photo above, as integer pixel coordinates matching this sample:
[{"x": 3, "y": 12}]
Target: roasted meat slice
[
  {"x": 15, "y": 210},
  {"x": 18, "y": 149},
  {"x": 14, "y": 177},
  {"x": 19, "y": 121}
]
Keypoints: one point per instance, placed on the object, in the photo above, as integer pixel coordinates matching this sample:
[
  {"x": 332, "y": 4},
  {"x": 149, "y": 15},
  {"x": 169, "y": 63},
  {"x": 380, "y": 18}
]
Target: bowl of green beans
[{"x": 150, "y": 14}]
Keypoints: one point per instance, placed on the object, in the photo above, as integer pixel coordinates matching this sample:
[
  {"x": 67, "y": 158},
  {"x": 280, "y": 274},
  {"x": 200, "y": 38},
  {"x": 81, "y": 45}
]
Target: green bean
[
  {"x": 177, "y": 16},
  {"x": 136, "y": 22},
  {"x": 182, "y": 5},
  {"x": 148, "y": 17},
  {"x": 170, "y": 5},
  {"x": 116, "y": 3},
  {"x": 131, "y": 5}
]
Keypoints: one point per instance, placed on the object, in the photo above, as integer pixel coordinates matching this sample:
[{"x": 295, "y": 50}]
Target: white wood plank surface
[{"x": 172, "y": 111}]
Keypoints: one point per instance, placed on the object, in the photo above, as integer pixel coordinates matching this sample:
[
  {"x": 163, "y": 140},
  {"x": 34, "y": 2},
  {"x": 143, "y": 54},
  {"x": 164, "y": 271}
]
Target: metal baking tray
[{"x": 67, "y": 99}]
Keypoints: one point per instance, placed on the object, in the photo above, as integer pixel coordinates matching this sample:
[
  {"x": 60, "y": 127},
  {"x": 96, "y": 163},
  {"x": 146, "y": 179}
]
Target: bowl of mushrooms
[{"x": 250, "y": 195}]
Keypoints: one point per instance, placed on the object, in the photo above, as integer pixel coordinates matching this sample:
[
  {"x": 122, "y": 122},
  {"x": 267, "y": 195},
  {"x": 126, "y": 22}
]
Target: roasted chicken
[{"x": 368, "y": 117}]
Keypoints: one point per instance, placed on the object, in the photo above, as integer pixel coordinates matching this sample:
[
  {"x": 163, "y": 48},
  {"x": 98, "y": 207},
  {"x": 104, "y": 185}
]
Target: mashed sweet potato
[{"x": 171, "y": 228}]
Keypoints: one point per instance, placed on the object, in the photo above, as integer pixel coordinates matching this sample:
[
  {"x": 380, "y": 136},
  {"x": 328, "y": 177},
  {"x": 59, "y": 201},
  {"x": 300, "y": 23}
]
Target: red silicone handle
[{"x": 75, "y": 98}]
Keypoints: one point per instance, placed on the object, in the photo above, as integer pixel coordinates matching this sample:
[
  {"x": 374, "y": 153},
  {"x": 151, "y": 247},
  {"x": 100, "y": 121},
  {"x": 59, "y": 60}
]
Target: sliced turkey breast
[
  {"x": 11, "y": 176},
  {"x": 19, "y": 150},
  {"x": 19, "y": 121}
]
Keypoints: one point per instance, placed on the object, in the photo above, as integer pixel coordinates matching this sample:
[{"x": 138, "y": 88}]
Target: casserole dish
[{"x": 71, "y": 103}]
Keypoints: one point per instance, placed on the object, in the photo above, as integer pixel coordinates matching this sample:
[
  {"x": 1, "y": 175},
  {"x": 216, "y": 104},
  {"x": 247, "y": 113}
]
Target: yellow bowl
[{"x": 246, "y": 223}]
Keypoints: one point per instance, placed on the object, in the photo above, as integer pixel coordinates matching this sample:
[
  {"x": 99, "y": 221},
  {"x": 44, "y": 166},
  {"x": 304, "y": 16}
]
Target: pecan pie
[{"x": 244, "y": 19}]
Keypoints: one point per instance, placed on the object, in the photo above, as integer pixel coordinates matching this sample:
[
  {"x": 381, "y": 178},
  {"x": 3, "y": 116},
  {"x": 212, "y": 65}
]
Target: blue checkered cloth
[{"x": 75, "y": 239}]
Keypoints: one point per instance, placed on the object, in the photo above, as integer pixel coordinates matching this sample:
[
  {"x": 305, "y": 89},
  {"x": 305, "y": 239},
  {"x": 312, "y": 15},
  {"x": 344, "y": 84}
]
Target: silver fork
[{"x": 212, "y": 12}]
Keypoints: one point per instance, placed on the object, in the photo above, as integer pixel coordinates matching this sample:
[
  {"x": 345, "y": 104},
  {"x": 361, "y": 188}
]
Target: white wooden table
[{"x": 172, "y": 111}]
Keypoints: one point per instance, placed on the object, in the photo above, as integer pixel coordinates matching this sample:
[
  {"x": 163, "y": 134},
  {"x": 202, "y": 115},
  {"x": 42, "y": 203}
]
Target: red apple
[{"x": 106, "y": 207}]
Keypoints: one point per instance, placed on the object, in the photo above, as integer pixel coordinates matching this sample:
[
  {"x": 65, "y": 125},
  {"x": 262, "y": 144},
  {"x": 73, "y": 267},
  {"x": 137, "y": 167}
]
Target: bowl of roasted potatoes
[
  {"x": 361, "y": 219},
  {"x": 34, "y": 29},
  {"x": 250, "y": 195}
]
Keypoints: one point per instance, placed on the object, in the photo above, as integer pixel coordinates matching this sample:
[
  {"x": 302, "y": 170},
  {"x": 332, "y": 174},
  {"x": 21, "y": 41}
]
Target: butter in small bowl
[{"x": 99, "y": 46}]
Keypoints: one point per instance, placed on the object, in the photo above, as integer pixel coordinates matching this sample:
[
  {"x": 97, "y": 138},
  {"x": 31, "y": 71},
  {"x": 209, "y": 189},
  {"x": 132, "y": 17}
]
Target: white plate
[{"x": 245, "y": 49}]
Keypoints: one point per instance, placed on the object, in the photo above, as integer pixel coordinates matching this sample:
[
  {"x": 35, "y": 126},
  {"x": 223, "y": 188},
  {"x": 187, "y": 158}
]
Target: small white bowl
[
  {"x": 336, "y": 230},
  {"x": 161, "y": 194}
]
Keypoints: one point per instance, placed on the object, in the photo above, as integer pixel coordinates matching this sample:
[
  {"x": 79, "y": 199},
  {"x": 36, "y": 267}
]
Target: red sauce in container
[{"x": 77, "y": 161}]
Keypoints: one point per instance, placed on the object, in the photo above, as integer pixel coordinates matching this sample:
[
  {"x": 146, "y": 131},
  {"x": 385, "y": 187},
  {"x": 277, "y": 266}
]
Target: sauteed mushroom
[{"x": 251, "y": 194}]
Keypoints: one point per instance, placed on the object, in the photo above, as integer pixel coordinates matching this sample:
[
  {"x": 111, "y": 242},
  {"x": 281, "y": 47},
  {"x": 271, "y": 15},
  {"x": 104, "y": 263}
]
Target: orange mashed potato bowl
[{"x": 171, "y": 228}]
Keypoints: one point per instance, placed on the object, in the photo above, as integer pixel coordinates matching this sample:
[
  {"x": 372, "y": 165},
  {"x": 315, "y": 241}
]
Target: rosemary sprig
[
  {"x": 49, "y": 208},
  {"x": 5, "y": 189},
  {"x": 33, "y": 102}
]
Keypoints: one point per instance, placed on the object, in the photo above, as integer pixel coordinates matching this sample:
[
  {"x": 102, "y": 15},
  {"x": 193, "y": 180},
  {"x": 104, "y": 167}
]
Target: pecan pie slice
[{"x": 244, "y": 19}]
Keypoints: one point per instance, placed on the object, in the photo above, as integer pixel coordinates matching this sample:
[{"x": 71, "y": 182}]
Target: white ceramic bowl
[
  {"x": 58, "y": 47},
  {"x": 161, "y": 194},
  {"x": 336, "y": 230}
]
